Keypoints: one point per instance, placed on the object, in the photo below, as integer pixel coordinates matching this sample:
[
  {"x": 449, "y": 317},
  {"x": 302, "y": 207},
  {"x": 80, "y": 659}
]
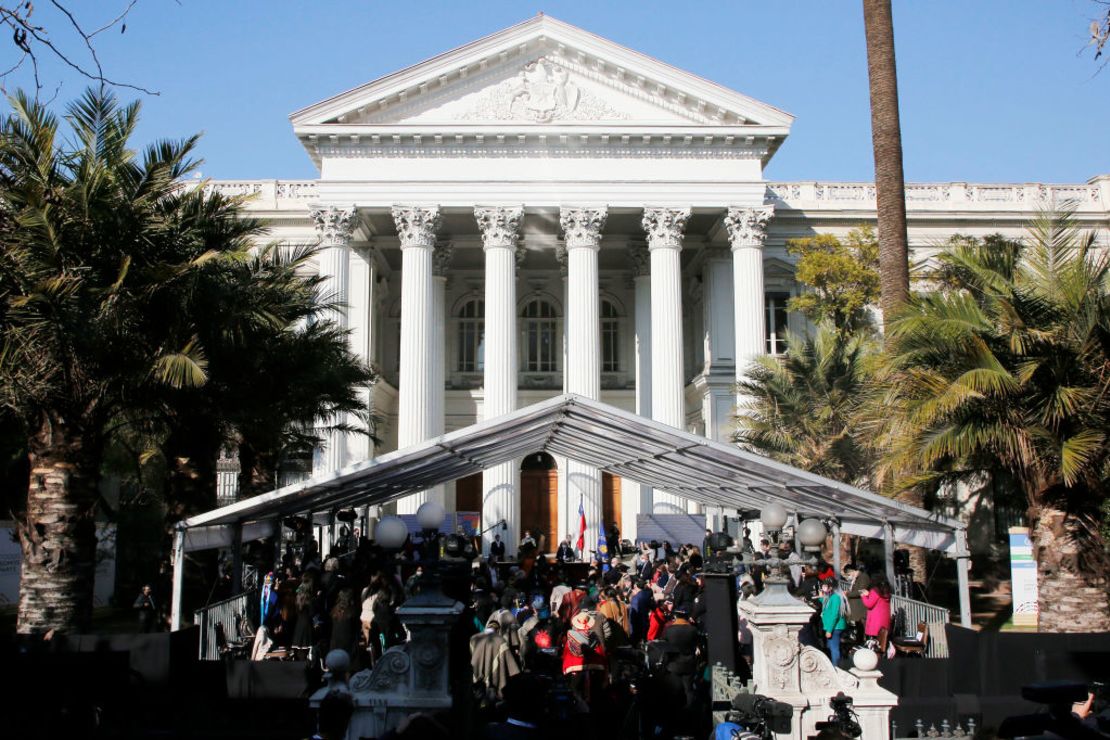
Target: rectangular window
[
  {"x": 610, "y": 347},
  {"x": 471, "y": 346},
  {"x": 776, "y": 318}
]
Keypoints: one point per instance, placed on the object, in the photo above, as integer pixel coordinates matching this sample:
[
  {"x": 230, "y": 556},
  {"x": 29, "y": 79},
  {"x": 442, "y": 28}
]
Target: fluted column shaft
[
  {"x": 747, "y": 230},
  {"x": 582, "y": 238},
  {"x": 641, "y": 282},
  {"x": 500, "y": 233},
  {"x": 665, "y": 228},
  {"x": 335, "y": 226},
  {"x": 416, "y": 229}
]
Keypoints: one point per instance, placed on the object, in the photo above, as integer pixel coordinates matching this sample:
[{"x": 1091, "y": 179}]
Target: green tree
[
  {"x": 1006, "y": 369},
  {"x": 886, "y": 139},
  {"x": 804, "y": 408},
  {"x": 92, "y": 232},
  {"x": 841, "y": 278}
]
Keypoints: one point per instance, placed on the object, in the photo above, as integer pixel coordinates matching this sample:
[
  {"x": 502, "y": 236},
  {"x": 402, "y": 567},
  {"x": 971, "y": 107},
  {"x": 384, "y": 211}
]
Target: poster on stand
[{"x": 1023, "y": 578}]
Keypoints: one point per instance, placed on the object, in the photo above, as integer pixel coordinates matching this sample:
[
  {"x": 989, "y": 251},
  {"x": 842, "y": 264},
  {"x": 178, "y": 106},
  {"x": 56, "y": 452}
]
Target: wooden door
[
  {"x": 468, "y": 493},
  {"x": 611, "y": 504},
  {"x": 539, "y": 505}
]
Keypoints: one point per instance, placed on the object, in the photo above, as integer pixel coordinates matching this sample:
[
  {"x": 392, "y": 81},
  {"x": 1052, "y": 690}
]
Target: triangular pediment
[{"x": 542, "y": 72}]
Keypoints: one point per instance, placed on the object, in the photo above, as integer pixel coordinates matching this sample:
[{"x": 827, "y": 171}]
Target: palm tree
[
  {"x": 1006, "y": 370},
  {"x": 93, "y": 232},
  {"x": 802, "y": 408},
  {"x": 886, "y": 139}
]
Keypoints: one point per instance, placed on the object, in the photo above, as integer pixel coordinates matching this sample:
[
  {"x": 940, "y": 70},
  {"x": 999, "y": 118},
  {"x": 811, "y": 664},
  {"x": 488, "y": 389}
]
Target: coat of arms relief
[{"x": 541, "y": 92}]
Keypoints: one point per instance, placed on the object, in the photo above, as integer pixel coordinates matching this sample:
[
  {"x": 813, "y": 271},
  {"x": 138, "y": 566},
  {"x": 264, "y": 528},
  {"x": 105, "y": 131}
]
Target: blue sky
[{"x": 991, "y": 90}]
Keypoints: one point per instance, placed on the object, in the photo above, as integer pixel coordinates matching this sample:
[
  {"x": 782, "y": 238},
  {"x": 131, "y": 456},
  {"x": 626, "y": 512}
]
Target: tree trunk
[
  {"x": 1072, "y": 597},
  {"x": 57, "y": 533},
  {"x": 886, "y": 139}
]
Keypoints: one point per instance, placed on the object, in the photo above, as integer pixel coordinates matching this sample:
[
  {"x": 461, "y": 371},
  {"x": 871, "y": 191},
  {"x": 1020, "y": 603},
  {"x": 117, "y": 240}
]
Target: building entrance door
[
  {"x": 611, "y": 504},
  {"x": 539, "y": 499}
]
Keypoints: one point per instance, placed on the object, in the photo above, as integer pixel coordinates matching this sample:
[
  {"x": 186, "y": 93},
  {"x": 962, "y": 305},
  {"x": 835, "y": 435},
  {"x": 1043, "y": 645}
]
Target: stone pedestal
[
  {"x": 409, "y": 678},
  {"x": 804, "y": 677}
]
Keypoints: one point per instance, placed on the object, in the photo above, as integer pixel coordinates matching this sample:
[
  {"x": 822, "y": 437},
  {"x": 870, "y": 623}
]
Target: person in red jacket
[
  {"x": 658, "y": 619},
  {"x": 584, "y": 661}
]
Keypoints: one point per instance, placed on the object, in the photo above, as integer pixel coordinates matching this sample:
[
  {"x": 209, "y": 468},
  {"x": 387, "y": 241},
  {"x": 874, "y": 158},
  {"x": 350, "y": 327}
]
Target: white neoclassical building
[{"x": 543, "y": 211}]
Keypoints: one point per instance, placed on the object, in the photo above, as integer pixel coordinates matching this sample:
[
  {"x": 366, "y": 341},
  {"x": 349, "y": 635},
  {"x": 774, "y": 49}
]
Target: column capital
[
  {"x": 500, "y": 225},
  {"x": 747, "y": 227},
  {"x": 335, "y": 224},
  {"x": 665, "y": 227},
  {"x": 582, "y": 225},
  {"x": 416, "y": 225},
  {"x": 640, "y": 258},
  {"x": 441, "y": 258}
]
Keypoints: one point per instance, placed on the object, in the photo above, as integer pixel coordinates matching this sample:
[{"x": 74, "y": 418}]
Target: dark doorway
[{"x": 539, "y": 499}]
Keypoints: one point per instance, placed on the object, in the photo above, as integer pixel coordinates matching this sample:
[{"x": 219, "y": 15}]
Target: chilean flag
[{"x": 581, "y": 526}]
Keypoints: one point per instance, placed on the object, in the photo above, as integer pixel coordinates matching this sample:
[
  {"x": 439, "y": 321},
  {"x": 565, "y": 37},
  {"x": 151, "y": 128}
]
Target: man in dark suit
[
  {"x": 496, "y": 549},
  {"x": 565, "y": 553}
]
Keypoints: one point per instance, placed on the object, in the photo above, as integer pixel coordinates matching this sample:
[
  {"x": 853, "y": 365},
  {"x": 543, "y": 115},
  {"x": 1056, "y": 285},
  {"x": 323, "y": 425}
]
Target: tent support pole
[
  {"x": 963, "y": 565},
  {"x": 237, "y": 558},
  {"x": 888, "y": 551},
  {"x": 178, "y": 578},
  {"x": 836, "y": 547}
]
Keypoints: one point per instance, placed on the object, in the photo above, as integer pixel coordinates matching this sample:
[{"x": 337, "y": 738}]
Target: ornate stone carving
[
  {"x": 561, "y": 258},
  {"x": 416, "y": 225},
  {"x": 389, "y": 673},
  {"x": 665, "y": 227},
  {"x": 336, "y": 225},
  {"x": 819, "y": 675},
  {"x": 640, "y": 258},
  {"x": 780, "y": 650},
  {"x": 541, "y": 92},
  {"x": 441, "y": 258},
  {"x": 747, "y": 227},
  {"x": 500, "y": 225},
  {"x": 582, "y": 226}
]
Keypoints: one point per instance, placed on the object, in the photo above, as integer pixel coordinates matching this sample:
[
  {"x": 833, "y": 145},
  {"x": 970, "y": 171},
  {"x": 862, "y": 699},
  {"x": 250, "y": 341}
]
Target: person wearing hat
[
  {"x": 681, "y": 637},
  {"x": 584, "y": 661}
]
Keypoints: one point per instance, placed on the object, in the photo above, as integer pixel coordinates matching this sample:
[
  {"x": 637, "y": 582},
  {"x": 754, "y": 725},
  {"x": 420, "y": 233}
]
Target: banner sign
[{"x": 1023, "y": 578}]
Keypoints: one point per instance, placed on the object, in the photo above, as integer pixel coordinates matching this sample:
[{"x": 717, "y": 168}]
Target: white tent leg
[
  {"x": 178, "y": 578},
  {"x": 963, "y": 565},
  {"x": 888, "y": 551},
  {"x": 836, "y": 548}
]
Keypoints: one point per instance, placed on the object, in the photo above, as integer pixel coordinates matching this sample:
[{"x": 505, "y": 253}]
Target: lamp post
[
  {"x": 812, "y": 534},
  {"x": 430, "y": 517}
]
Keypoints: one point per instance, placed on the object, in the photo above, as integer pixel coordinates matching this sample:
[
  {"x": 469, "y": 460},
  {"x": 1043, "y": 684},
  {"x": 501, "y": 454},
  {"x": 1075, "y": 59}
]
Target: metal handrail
[
  {"x": 228, "y": 613},
  {"x": 908, "y": 612}
]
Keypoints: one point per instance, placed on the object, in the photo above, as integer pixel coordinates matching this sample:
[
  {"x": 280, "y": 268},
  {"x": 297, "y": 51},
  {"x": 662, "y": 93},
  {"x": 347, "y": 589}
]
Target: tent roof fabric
[{"x": 614, "y": 440}]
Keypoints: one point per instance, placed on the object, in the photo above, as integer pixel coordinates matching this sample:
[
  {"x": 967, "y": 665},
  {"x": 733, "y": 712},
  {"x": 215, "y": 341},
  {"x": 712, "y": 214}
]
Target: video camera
[
  {"x": 755, "y": 712},
  {"x": 843, "y": 719}
]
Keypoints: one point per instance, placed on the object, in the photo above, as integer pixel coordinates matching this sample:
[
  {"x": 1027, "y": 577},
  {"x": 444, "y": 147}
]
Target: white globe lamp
[
  {"x": 430, "y": 516},
  {"x": 773, "y": 517},
  {"x": 391, "y": 532},
  {"x": 865, "y": 660},
  {"x": 812, "y": 533}
]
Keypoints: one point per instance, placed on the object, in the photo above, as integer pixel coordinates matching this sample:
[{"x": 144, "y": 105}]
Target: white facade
[{"x": 543, "y": 210}]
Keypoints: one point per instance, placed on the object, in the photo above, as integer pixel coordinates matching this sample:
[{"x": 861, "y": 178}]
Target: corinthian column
[
  {"x": 335, "y": 226},
  {"x": 665, "y": 228},
  {"x": 582, "y": 240},
  {"x": 416, "y": 229},
  {"x": 500, "y": 495},
  {"x": 747, "y": 230},
  {"x": 441, "y": 263}
]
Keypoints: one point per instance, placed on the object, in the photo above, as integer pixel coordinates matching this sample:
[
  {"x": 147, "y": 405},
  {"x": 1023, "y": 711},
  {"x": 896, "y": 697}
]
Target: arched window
[
  {"x": 472, "y": 336},
  {"x": 610, "y": 338},
  {"x": 541, "y": 337}
]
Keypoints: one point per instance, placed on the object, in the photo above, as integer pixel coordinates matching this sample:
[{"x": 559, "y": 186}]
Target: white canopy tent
[{"x": 597, "y": 434}]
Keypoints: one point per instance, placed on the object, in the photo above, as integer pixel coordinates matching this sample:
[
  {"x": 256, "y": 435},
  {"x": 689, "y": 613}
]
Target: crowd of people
[{"x": 623, "y": 639}]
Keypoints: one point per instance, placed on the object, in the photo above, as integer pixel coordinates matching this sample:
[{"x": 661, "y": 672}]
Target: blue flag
[{"x": 603, "y": 550}]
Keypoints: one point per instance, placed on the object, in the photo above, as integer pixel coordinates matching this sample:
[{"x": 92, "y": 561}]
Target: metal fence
[
  {"x": 906, "y": 613},
  {"x": 227, "y": 613}
]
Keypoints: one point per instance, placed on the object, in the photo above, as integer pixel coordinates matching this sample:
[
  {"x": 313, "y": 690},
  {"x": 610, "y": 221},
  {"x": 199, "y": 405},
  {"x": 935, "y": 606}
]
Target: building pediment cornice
[{"x": 539, "y": 74}]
